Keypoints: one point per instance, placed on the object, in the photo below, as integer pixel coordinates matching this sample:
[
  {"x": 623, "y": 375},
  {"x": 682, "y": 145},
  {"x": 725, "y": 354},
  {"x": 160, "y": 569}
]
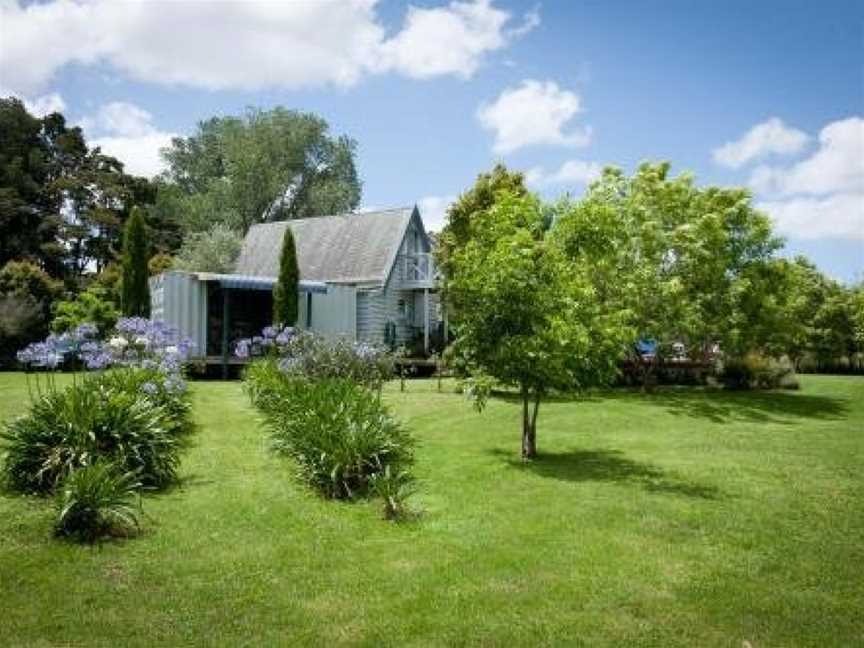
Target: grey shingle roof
[{"x": 344, "y": 248}]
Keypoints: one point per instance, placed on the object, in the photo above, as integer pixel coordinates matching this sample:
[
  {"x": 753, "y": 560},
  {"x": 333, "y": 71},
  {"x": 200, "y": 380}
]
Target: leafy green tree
[
  {"x": 625, "y": 227},
  {"x": 91, "y": 306},
  {"x": 215, "y": 250},
  {"x": 461, "y": 222},
  {"x": 529, "y": 315},
  {"x": 135, "y": 296},
  {"x": 62, "y": 204},
  {"x": 270, "y": 165},
  {"x": 286, "y": 290}
]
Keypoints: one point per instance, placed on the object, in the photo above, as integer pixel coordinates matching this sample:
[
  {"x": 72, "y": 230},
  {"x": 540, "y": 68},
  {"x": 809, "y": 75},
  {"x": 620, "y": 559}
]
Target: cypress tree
[
  {"x": 286, "y": 290},
  {"x": 135, "y": 296}
]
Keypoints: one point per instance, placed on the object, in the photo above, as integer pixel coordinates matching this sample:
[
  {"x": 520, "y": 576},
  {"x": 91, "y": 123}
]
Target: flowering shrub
[
  {"x": 95, "y": 419},
  {"x": 316, "y": 357},
  {"x": 321, "y": 400},
  {"x": 135, "y": 415},
  {"x": 339, "y": 435}
]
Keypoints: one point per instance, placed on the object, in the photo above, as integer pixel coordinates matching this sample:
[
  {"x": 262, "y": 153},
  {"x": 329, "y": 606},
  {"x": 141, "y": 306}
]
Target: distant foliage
[
  {"x": 91, "y": 306},
  {"x": 98, "y": 501},
  {"x": 754, "y": 371},
  {"x": 135, "y": 296},
  {"x": 26, "y": 297},
  {"x": 215, "y": 250},
  {"x": 287, "y": 288}
]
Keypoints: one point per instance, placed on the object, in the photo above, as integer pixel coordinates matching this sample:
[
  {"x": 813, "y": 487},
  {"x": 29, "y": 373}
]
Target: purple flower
[
  {"x": 149, "y": 388},
  {"x": 241, "y": 350},
  {"x": 86, "y": 331},
  {"x": 269, "y": 332}
]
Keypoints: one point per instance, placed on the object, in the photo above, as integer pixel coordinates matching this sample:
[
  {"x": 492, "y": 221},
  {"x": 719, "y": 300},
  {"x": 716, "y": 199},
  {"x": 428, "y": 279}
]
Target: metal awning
[{"x": 251, "y": 282}]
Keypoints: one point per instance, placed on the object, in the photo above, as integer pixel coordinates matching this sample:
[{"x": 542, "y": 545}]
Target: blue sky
[{"x": 764, "y": 94}]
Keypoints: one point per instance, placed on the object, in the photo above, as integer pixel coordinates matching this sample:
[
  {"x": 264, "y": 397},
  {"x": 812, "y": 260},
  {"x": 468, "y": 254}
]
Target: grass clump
[{"x": 98, "y": 501}]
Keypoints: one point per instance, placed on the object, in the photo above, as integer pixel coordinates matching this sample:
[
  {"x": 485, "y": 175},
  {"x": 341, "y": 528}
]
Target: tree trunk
[{"x": 529, "y": 425}]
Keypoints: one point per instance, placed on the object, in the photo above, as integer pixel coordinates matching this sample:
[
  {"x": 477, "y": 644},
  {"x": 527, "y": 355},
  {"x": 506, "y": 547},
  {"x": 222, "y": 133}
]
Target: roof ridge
[{"x": 342, "y": 215}]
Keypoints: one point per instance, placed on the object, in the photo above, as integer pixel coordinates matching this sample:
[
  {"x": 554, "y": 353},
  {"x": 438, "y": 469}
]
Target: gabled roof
[{"x": 354, "y": 247}]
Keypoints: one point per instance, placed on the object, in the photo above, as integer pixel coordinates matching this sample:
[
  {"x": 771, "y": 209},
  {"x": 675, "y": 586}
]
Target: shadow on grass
[
  {"x": 611, "y": 466},
  {"x": 717, "y": 405},
  {"x": 756, "y": 407}
]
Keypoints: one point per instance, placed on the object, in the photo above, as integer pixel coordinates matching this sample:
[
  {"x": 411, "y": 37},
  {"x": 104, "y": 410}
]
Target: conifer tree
[
  {"x": 286, "y": 290},
  {"x": 135, "y": 296}
]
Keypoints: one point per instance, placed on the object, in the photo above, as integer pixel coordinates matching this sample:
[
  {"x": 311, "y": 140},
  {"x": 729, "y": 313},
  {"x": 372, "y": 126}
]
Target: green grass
[{"x": 680, "y": 518}]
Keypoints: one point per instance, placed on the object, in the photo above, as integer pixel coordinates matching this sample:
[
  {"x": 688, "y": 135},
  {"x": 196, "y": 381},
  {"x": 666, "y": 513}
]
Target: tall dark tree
[
  {"x": 263, "y": 165},
  {"x": 135, "y": 296},
  {"x": 286, "y": 290}
]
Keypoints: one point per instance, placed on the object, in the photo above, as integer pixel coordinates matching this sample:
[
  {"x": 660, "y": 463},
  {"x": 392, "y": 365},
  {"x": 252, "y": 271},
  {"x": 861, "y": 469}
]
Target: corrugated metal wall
[{"x": 180, "y": 300}]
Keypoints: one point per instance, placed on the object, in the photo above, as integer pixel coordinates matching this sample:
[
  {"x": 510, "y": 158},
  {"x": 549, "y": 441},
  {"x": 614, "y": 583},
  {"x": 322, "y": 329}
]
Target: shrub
[
  {"x": 215, "y": 250},
  {"x": 755, "y": 371},
  {"x": 91, "y": 306},
  {"x": 338, "y": 433},
  {"x": 98, "y": 418},
  {"x": 97, "y": 501},
  {"x": 394, "y": 488},
  {"x": 317, "y": 357}
]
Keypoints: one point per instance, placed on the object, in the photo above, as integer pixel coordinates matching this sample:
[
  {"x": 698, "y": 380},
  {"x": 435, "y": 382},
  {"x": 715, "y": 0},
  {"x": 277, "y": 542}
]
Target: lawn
[{"x": 679, "y": 518}]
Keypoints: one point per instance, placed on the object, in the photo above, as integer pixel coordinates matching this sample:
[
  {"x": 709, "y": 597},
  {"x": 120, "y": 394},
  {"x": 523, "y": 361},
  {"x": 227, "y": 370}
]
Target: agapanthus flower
[{"x": 150, "y": 388}]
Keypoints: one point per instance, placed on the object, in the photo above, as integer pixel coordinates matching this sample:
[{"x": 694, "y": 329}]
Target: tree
[
  {"x": 215, "y": 250},
  {"x": 263, "y": 165},
  {"x": 529, "y": 315},
  {"x": 26, "y": 297},
  {"x": 692, "y": 264},
  {"x": 62, "y": 204},
  {"x": 461, "y": 222},
  {"x": 286, "y": 290},
  {"x": 135, "y": 296}
]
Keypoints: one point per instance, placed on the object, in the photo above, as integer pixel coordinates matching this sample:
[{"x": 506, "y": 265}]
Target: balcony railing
[{"x": 417, "y": 270}]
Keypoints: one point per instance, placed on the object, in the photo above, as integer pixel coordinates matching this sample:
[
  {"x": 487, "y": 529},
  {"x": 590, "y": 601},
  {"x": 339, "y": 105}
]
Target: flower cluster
[
  {"x": 307, "y": 355},
  {"x": 55, "y": 350},
  {"x": 136, "y": 342}
]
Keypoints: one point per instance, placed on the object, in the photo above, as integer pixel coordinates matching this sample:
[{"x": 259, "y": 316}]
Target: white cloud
[
  {"x": 536, "y": 112},
  {"x": 822, "y": 195},
  {"x": 837, "y": 216},
  {"x": 433, "y": 210},
  {"x": 451, "y": 39},
  {"x": 578, "y": 172},
  {"x": 247, "y": 45},
  {"x": 838, "y": 164},
  {"x": 769, "y": 137},
  {"x": 127, "y": 132}
]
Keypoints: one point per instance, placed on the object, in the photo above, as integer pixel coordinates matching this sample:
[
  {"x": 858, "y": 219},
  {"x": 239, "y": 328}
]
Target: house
[{"x": 367, "y": 276}]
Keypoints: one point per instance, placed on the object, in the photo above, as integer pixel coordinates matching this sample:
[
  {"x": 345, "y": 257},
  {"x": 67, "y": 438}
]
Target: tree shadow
[
  {"x": 611, "y": 466},
  {"x": 756, "y": 406},
  {"x": 715, "y": 405}
]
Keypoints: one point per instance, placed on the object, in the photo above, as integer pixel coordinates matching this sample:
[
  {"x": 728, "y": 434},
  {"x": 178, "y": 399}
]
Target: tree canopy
[
  {"x": 529, "y": 315},
  {"x": 262, "y": 165}
]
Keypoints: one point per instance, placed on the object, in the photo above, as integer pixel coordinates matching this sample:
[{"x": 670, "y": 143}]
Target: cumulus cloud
[
  {"x": 769, "y": 137},
  {"x": 433, "y": 209},
  {"x": 126, "y": 131},
  {"x": 450, "y": 39},
  {"x": 822, "y": 195},
  {"x": 808, "y": 217},
  {"x": 576, "y": 172},
  {"x": 247, "y": 45},
  {"x": 534, "y": 113}
]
